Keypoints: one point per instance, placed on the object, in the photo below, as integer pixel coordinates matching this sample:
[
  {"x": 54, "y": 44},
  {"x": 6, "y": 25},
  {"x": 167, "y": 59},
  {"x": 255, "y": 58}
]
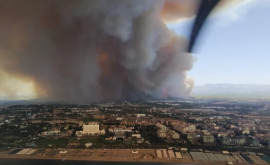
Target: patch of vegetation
[
  {"x": 44, "y": 142},
  {"x": 150, "y": 133},
  {"x": 89, "y": 119},
  {"x": 97, "y": 141}
]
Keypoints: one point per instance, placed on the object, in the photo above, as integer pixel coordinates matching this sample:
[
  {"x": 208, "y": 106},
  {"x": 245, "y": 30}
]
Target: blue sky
[{"x": 234, "y": 47}]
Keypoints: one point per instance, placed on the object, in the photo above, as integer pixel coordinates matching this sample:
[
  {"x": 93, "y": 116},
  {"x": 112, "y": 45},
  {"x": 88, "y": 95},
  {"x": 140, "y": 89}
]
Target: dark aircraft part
[{"x": 205, "y": 9}]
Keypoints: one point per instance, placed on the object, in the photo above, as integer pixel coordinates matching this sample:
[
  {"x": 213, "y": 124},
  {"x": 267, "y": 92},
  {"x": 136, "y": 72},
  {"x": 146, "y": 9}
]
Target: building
[
  {"x": 120, "y": 135},
  {"x": 87, "y": 145},
  {"x": 51, "y": 133},
  {"x": 161, "y": 134},
  {"x": 165, "y": 132},
  {"x": 140, "y": 115},
  {"x": 2, "y": 118},
  {"x": 185, "y": 128},
  {"x": 161, "y": 127},
  {"x": 234, "y": 141},
  {"x": 208, "y": 137},
  {"x": 136, "y": 135},
  {"x": 162, "y": 130},
  {"x": 174, "y": 135},
  {"x": 239, "y": 140},
  {"x": 91, "y": 128},
  {"x": 192, "y": 137},
  {"x": 246, "y": 131}
]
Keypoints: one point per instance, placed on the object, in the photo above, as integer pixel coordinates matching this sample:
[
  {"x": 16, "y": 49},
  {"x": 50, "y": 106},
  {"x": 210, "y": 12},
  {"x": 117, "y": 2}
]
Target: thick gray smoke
[{"x": 93, "y": 50}]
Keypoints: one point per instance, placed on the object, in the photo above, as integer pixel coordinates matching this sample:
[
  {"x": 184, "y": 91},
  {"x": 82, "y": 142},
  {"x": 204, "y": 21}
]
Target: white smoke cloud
[{"x": 93, "y": 50}]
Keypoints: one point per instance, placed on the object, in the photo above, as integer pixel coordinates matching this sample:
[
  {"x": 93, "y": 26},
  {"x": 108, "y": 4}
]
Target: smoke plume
[{"x": 93, "y": 50}]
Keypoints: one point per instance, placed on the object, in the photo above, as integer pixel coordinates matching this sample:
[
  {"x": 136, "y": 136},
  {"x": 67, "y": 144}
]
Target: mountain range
[{"x": 233, "y": 91}]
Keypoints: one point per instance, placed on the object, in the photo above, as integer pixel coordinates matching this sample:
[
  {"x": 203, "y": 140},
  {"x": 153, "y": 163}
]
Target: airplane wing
[{"x": 204, "y": 10}]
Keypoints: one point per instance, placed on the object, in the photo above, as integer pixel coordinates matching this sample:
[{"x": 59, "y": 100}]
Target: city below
[{"x": 190, "y": 132}]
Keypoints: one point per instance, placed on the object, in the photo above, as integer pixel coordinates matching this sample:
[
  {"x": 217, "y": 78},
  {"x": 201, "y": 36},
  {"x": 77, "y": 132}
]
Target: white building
[
  {"x": 91, "y": 128},
  {"x": 140, "y": 115},
  {"x": 184, "y": 128},
  {"x": 136, "y": 135},
  {"x": 161, "y": 127}
]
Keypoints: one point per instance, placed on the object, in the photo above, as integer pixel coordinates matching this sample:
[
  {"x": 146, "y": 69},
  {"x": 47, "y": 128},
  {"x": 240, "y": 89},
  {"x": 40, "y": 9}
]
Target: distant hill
[
  {"x": 209, "y": 91},
  {"x": 31, "y": 101},
  {"x": 240, "y": 91}
]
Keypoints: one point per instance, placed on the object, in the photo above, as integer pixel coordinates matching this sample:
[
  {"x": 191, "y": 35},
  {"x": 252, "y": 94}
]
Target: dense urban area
[{"x": 230, "y": 132}]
